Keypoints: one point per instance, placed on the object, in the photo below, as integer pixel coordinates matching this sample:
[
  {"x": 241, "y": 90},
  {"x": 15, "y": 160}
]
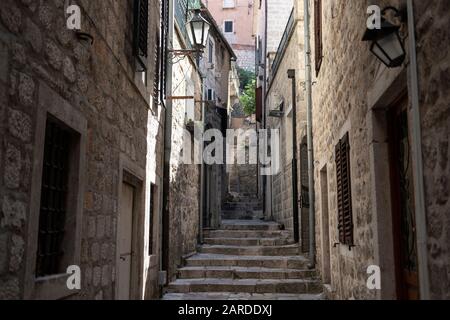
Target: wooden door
[
  {"x": 125, "y": 237},
  {"x": 402, "y": 188}
]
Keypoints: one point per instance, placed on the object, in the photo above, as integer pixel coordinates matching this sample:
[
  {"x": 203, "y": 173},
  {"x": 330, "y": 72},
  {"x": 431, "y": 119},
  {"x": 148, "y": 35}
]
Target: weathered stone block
[
  {"x": 17, "y": 250},
  {"x": 53, "y": 54},
  {"x": 13, "y": 166},
  {"x": 26, "y": 89},
  {"x": 33, "y": 35},
  {"x": 10, "y": 289},
  {"x": 13, "y": 212},
  {"x": 19, "y": 125},
  {"x": 11, "y": 17}
]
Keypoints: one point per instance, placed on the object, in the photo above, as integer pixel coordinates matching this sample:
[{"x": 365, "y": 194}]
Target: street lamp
[
  {"x": 387, "y": 45},
  {"x": 197, "y": 31}
]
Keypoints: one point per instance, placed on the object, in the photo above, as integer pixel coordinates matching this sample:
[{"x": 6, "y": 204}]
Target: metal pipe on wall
[
  {"x": 291, "y": 75},
  {"x": 421, "y": 226},
  {"x": 308, "y": 86}
]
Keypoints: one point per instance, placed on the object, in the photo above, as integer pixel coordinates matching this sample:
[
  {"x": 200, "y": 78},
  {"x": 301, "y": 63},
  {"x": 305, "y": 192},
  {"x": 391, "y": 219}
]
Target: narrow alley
[{"x": 171, "y": 150}]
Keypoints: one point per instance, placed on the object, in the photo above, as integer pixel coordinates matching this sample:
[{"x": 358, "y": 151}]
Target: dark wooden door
[{"x": 402, "y": 189}]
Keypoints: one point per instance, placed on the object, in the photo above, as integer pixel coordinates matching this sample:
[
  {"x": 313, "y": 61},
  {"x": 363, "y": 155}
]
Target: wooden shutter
[
  {"x": 344, "y": 193},
  {"x": 140, "y": 41},
  {"x": 318, "y": 34},
  {"x": 156, "y": 76},
  {"x": 259, "y": 104}
]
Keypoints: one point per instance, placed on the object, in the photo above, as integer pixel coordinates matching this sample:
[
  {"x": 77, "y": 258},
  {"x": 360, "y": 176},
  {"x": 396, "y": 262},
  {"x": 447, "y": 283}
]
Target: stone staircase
[
  {"x": 242, "y": 207},
  {"x": 248, "y": 260}
]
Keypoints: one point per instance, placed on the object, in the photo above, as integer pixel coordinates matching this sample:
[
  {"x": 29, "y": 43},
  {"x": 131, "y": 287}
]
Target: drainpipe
[
  {"x": 291, "y": 75},
  {"x": 202, "y": 166},
  {"x": 421, "y": 226},
  {"x": 263, "y": 98},
  {"x": 167, "y": 144},
  {"x": 308, "y": 86}
]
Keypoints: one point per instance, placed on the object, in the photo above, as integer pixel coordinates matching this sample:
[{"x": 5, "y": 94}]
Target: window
[
  {"x": 344, "y": 193},
  {"x": 140, "y": 37},
  {"x": 228, "y": 27},
  {"x": 228, "y": 4},
  {"x": 54, "y": 199},
  {"x": 211, "y": 95},
  {"x": 318, "y": 34}
]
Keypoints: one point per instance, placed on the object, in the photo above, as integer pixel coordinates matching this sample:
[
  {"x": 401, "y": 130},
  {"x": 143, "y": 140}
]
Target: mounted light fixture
[
  {"x": 387, "y": 45},
  {"x": 198, "y": 32}
]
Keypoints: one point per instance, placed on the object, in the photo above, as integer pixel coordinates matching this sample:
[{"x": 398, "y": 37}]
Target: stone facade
[
  {"x": 243, "y": 177},
  {"x": 95, "y": 89},
  {"x": 433, "y": 43},
  {"x": 280, "y": 92},
  {"x": 353, "y": 90}
]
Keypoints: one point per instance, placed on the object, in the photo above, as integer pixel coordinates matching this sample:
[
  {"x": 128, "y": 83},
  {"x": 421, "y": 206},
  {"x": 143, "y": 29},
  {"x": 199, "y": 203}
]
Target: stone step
[
  {"x": 243, "y": 273},
  {"x": 240, "y": 205},
  {"x": 220, "y": 260},
  {"x": 246, "y": 234},
  {"x": 248, "y": 241},
  {"x": 288, "y": 286},
  {"x": 249, "y": 225},
  {"x": 242, "y": 215},
  {"x": 288, "y": 250},
  {"x": 240, "y": 296}
]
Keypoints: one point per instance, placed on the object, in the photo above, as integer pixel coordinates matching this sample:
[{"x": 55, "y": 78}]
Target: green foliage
[
  {"x": 245, "y": 77},
  {"x": 248, "y": 98}
]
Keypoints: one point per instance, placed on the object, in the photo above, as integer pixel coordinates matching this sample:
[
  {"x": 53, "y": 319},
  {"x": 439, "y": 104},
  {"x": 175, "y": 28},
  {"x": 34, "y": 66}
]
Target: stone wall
[
  {"x": 42, "y": 62},
  {"x": 352, "y": 93},
  {"x": 245, "y": 57},
  {"x": 280, "y": 91},
  {"x": 184, "y": 194},
  {"x": 243, "y": 177},
  {"x": 433, "y": 35}
]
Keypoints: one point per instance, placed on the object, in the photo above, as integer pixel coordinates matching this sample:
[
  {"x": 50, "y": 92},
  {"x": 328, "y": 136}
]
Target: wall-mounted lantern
[
  {"x": 198, "y": 32},
  {"x": 387, "y": 45}
]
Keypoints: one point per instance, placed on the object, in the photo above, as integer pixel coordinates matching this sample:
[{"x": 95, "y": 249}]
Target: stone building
[
  {"x": 235, "y": 17},
  {"x": 217, "y": 67},
  {"x": 288, "y": 191},
  {"x": 380, "y": 149},
  {"x": 387, "y": 134},
  {"x": 81, "y": 160}
]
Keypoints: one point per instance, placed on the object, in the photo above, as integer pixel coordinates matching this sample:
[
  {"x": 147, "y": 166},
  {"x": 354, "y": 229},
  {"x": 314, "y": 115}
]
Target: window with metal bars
[
  {"x": 54, "y": 193},
  {"x": 140, "y": 38},
  {"x": 318, "y": 34},
  {"x": 344, "y": 192}
]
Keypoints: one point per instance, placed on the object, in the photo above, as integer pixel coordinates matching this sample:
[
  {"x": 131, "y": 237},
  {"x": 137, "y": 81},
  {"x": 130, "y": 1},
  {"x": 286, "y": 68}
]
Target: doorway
[
  {"x": 304, "y": 195},
  {"x": 125, "y": 241},
  {"x": 326, "y": 259},
  {"x": 402, "y": 183}
]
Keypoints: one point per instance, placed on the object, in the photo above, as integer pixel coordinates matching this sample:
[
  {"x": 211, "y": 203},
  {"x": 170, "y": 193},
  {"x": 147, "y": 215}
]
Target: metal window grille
[{"x": 53, "y": 206}]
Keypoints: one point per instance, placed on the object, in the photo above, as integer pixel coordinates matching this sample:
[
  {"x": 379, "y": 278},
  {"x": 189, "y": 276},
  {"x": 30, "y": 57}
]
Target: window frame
[
  {"x": 343, "y": 157},
  {"x": 225, "y": 26},
  {"x": 55, "y": 287}
]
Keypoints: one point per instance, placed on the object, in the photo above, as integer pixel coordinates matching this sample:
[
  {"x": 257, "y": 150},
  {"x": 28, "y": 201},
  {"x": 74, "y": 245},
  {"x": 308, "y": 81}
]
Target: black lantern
[
  {"x": 386, "y": 44},
  {"x": 198, "y": 30}
]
